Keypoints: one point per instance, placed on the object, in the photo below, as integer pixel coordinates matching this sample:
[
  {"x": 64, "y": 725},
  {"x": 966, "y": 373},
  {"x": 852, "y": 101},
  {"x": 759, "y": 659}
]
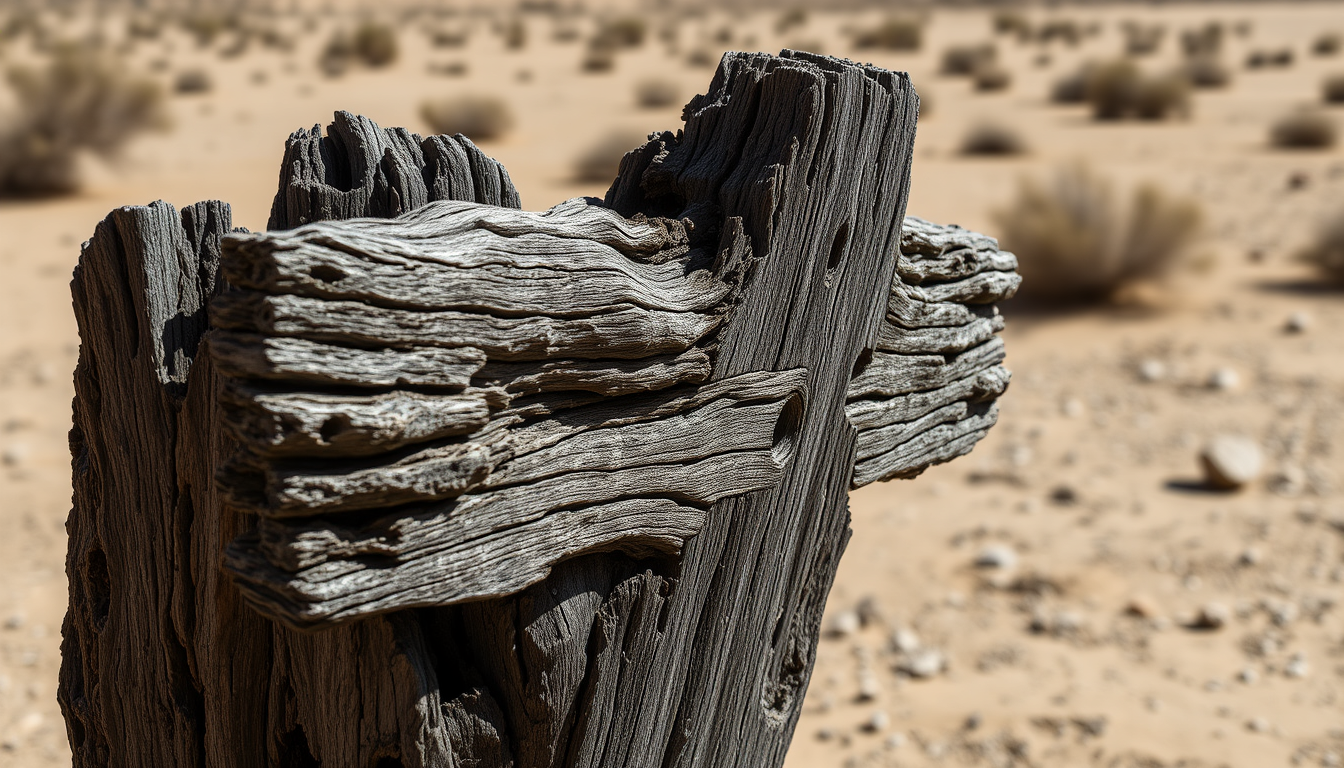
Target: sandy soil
[{"x": 1080, "y": 652}]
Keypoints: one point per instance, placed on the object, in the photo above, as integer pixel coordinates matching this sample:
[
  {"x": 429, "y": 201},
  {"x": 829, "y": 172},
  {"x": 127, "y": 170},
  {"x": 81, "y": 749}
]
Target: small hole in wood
[
  {"x": 838, "y": 247},
  {"x": 98, "y": 587},
  {"x": 787, "y": 427},
  {"x": 326, "y": 273},
  {"x": 334, "y": 426}
]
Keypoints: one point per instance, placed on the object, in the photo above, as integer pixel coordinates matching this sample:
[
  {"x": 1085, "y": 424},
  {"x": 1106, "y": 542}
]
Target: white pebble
[
  {"x": 844, "y": 624},
  {"x": 877, "y": 722},
  {"x": 1248, "y": 675},
  {"x": 905, "y": 641},
  {"x": 1257, "y": 725},
  {"x": 869, "y": 687},
  {"x": 1152, "y": 369},
  {"x": 1297, "y": 666},
  {"x": 1224, "y": 380},
  {"x": 1297, "y": 322},
  {"x": 923, "y": 664},
  {"x": 999, "y": 556},
  {"x": 1231, "y": 462},
  {"x": 14, "y": 454},
  {"x": 895, "y": 741}
]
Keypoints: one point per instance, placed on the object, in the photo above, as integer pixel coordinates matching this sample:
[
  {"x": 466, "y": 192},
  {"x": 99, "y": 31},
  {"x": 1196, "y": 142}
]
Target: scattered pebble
[
  {"x": 1248, "y": 675},
  {"x": 1257, "y": 725},
  {"x": 895, "y": 741},
  {"x": 1297, "y": 666},
  {"x": 922, "y": 664},
  {"x": 1250, "y": 556},
  {"x": 973, "y": 721},
  {"x": 843, "y": 624},
  {"x": 1231, "y": 462},
  {"x": 1211, "y": 616},
  {"x": 869, "y": 686},
  {"x": 14, "y": 621},
  {"x": 14, "y": 454},
  {"x": 1072, "y": 408},
  {"x": 904, "y": 641},
  {"x": 1224, "y": 380},
  {"x": 877, "y": 722},
  {"x": 1143, "y": 607},
  {"x": 1000, "y": 556},
  {"x": 1152, "y": 370},
  {"x": 1297, "y": 322}
]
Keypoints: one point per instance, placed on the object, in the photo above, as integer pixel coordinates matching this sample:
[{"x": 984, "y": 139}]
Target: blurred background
[{"x": 1143, "y": 564}]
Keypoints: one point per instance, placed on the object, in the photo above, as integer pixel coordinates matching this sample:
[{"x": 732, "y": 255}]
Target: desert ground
[{"x": 1071, "y": 593}]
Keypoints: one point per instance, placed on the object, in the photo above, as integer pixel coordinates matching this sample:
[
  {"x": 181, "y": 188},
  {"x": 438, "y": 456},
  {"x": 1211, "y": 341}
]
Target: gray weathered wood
[{"x": 556, "y": 489}]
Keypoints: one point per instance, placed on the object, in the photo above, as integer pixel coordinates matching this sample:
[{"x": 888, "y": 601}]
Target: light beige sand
[{"x": 1096, "y": 687}]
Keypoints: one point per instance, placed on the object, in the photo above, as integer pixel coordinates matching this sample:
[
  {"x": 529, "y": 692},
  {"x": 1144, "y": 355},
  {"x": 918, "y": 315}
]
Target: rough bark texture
[{"x": 510, "y": 489}]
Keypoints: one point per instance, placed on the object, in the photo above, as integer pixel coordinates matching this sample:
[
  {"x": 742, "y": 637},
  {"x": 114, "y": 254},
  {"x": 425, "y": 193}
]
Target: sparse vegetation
[
  {"x": 1327, "y": 44},
  {"x": 1076, "y": 244},
  {"x": 1118, "y": 89},
  {"x": 966, "y": 59},
  {"x": 1282, "y": 57},
  {"x": 82, "y": 100},
  {"x": 514, "y": 34},
  {"x": 1326, "y": 252},
  {"x": 1206, "y": 72},
  {"x": 1066, "y": 31},
  {"x": 620, "y": 32},
  {"x": 992, "y": 77},
  {"x": 372, "y": 44},
  {"x": 192, "y": 81},
  {"x": 1332, "y": 90},
  {"x": 375, "y": 44},
  {"x": 654, "y": 93},
  {"x": 790, "y": 19},
  {"x": 602, "y": 160},
  {"x": 479, "y": 118},
  {"x": 991, "y": 138},
  {"x": 1142, "y": 39},
  {"x": 1304, "y": 129},
  {"x": 1203, "y": 41},
  {"x": 895, "y": 33},
  {"x": 1013, "y": 24},
  {"x": 598, "y": 59}
]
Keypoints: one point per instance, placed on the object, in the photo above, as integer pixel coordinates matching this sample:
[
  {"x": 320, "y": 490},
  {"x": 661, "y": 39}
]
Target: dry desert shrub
[
  {"x": 1076, "y": 243},
  {"x": 1203, "y": 41},
  {"x": 514, "y": 34},
  {"x": 82, "y": 100},
  {"x": 700, "y": 58},
  {"x": 992, "y": 77},
  {"x": 1332, "y": 89},
  {"x": 192, "y": 81},
  {"x": 1066, "y": 31},
  {"x": 1327, "y": 44},
  {"x": 375, "y": 44},
  {"x": 966, "y": 59},
  {"x": 1163, "y": 96},
  {"x": 1281, "y": 57},
  {"x": 449, "y": 37},
  {"x": 1303, "y": 129},
  {"x": 598, "y": 59},
  {"x": 1206, "y": 72},
  {"x": 655, "y": 93},
  {"x": 1118, "y": 89},
  {"x": 894, "y": 33},
  {"x": 992, "y": 138},
  {"x": 791, "y": 19},
  {"x": 1326, "y": 252},
  {"x": 1012, "y": 24},
  {"x": 620, "y": 32},
  {"x": 1072, "y": 87},
  {"x": 1142, "y": 39},
  {"x": 479, "y": 118},
  {"x": 372, "y": 44},
  {"x": 601, "y": 160}
]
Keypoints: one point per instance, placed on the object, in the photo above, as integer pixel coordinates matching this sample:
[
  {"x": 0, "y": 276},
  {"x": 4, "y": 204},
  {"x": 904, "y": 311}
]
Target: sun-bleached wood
[{"x": 500, "y": 480}]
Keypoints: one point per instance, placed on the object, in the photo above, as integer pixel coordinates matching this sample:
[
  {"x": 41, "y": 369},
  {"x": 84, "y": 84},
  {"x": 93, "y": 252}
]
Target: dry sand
[{"x": 1089, "y": 480}]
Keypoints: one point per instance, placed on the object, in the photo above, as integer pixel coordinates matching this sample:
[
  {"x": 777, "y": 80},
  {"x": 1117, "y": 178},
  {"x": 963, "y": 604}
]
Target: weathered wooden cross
[{"x": 509, "y": 488}]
